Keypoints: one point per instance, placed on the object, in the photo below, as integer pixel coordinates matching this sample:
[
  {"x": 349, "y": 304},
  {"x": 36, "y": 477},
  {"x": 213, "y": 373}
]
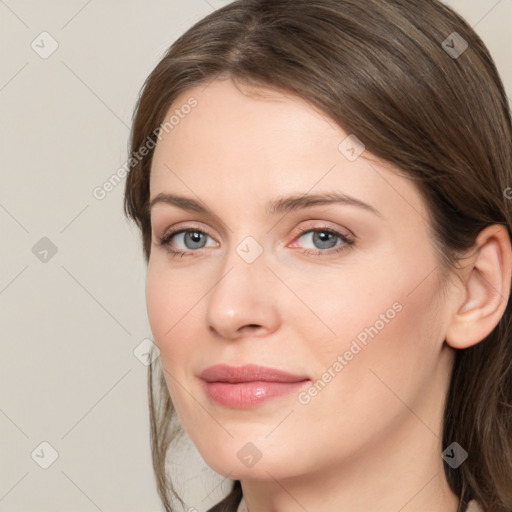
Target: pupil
[
  {"x": 194, "y": 240},
  {"x": 324, "y": 239}
]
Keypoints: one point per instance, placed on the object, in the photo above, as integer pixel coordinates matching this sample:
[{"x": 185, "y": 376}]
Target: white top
[{"x": 472, "y": 507}]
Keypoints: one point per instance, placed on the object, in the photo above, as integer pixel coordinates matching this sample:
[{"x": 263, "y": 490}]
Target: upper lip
[{"x": 248, "y": 373}]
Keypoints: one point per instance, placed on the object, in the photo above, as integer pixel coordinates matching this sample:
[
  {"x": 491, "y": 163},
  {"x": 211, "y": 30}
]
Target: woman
[{"x": 324, "y": 201}]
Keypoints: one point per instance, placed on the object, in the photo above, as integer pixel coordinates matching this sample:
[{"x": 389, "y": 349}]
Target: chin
[{"x": 249, "y": 461}]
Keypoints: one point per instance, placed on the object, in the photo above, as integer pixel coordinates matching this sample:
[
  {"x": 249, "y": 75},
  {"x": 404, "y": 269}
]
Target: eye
[
  {"x": 179, "y": 242},
  {"x": 322, "y": 241}
]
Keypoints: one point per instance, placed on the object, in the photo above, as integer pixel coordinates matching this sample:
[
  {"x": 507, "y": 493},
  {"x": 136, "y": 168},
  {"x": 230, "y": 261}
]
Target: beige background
[{"x": 70, "y": 323}]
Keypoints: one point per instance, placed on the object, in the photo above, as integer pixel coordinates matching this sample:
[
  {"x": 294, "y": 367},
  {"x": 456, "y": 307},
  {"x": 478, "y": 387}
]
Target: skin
[{"x": 371, "y": 439}]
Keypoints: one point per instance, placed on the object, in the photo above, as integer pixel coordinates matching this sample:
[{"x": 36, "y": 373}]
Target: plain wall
[{"x": 70, "y": 321}]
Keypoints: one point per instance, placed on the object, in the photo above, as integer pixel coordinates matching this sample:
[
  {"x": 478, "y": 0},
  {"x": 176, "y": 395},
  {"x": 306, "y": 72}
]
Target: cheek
[
  {"x": 385, "y": 351},
  {"x": 159, "y": 302},
  {"x": 170, "y": 300},
  {"x": 381, "y": 380},
  {"x": 170, "y": 304},
  {"x": 382, "y": 318}
]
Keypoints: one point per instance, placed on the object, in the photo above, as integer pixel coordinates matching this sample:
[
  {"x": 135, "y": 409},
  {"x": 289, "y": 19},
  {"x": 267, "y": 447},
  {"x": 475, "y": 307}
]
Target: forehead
[
  {"x": 243, "y": 120},
  {"x": 251, "y": 143}
]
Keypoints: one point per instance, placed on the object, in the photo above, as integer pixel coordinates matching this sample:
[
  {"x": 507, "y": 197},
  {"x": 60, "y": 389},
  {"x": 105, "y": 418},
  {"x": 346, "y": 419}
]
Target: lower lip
[{"x": 244, "y": 395}]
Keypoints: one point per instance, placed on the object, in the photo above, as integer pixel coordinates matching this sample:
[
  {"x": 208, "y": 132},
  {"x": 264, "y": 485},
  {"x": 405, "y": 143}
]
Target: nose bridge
[
  {"x": 244, "y": 265},
  {"x": 241, "y": 295}
]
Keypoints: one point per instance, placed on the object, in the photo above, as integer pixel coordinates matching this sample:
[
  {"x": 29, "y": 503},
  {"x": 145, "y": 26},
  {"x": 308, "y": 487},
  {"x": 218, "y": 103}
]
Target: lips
[{"x": 243, "y": 387}]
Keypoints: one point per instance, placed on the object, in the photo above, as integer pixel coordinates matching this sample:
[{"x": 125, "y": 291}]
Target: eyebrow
[
  {"x": 279, "y": 205},
  {"x": 292, "y": 203}
]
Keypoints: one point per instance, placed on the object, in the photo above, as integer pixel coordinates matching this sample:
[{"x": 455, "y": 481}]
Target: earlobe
[{"x": 487, "y": 288}]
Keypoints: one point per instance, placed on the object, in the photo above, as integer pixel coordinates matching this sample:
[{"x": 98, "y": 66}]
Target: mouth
[{"x": 244, "y": 387}]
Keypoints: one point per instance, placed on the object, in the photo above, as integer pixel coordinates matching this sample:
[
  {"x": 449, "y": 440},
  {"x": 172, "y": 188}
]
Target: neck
[
  {"x": 387, "y": 485},
  {"x": 402, "y": 472}
]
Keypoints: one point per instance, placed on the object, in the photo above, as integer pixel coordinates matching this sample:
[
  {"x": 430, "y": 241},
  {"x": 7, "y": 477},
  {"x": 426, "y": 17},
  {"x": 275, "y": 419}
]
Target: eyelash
[
  {"x": 348, "y": 242},
  {"x": 166, "y": 241}
]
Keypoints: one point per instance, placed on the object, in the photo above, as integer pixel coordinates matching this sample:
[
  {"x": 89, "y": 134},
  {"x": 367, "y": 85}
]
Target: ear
[{"x": 486, "y": 290}]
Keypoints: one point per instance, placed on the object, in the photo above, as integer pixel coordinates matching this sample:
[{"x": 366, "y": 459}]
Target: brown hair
[{"x": 380, "y": 70}]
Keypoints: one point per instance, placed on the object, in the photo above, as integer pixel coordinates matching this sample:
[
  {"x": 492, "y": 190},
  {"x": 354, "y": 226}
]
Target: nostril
[{"x": 250, "y": 327}]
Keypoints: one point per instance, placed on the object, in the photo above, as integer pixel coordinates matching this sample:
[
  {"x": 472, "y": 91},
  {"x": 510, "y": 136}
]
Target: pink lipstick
[{"x": 243, "y": 387}]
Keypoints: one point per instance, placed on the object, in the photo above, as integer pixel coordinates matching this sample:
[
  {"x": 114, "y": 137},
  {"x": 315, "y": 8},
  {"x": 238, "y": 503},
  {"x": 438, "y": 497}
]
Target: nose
[{"x": 243, "y": 301}]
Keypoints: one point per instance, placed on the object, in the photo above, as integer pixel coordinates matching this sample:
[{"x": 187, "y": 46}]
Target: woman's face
[{"x": 273, "y": 268}]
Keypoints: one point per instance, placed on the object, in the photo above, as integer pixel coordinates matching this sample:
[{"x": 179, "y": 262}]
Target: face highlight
[{"x": 273, "y": 247}]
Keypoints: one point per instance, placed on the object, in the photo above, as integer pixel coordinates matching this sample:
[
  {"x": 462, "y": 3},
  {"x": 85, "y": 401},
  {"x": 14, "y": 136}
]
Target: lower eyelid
[
  {"x": 169, "y": 236},
  {"x": 345, "y": 239}
]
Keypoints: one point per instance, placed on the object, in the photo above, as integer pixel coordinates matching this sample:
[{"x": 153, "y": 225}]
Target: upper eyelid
[
  {"x": 330, "y": 229},
  {"x": 174, "y": 231},
  {"x": 188, "y": 226},
  {"x": 161, "y": 228},
  {"x": 301, "y": 231},
  {"x": 345, "y": 238},
  {"x": 341, "y": 230},
  {"x": 201, "y": 220},
  {"x": 170, "y": 233},
  {"x": 223, "y": 228}
]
